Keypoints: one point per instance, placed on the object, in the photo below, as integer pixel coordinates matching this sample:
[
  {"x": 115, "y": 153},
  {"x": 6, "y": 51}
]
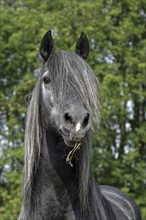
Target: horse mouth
[
  {"x": 68, "y": 141},
  {"x": 73, "y": 144}
]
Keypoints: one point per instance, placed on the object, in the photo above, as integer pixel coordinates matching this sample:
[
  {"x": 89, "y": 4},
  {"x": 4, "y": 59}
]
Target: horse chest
[
  {"x": 53, "y": 196},
  {"x": 56, "y": 205}
]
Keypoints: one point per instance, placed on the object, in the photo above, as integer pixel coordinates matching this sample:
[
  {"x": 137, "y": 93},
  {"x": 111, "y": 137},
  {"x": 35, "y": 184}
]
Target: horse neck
[
  {"x": 57, "y": 151},
  {"x": 57, "y": 184},
  {"x": 55, "y": 180}
]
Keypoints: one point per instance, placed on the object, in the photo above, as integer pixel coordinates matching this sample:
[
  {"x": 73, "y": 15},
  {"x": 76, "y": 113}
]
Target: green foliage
[{"x": 117, "y": 38}]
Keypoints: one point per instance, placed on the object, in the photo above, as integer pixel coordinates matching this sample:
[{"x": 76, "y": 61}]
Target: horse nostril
[
  {"x": 68, "y": 118},
  {"x": 86, "y": 120}
]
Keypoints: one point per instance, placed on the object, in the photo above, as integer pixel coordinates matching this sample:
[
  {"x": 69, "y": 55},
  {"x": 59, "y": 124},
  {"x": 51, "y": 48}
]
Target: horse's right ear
[{"x": 47, "y": 45}]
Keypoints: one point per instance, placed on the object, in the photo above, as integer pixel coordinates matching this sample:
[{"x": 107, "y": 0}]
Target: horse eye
[{"x": 46, "y": 80}]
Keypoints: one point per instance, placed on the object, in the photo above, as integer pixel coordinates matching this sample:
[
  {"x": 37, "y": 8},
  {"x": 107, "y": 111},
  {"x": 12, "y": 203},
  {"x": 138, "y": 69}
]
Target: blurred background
[{"x": 117, "y": 39}]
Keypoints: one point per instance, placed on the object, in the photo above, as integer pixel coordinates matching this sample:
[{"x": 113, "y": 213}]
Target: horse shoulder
[{"x": 121, "y": 203}]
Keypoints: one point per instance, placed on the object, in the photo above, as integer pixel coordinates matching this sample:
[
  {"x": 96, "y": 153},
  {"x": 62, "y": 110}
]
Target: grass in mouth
[{"x": 71, "y": 154}]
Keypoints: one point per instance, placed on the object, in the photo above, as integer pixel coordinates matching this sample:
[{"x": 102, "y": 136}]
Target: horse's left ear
[
  {"x": 47, "y": 45},
  {"x": 82, "y": 46}
]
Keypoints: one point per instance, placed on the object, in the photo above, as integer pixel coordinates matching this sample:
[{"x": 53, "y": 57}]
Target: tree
[{"x": 117, "y": 38}]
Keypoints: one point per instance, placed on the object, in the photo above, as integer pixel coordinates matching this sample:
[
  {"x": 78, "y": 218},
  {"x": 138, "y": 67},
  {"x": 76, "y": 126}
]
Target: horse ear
[
  {"x": 47, "y": 45},
  {"x": 82, "y": 46}
]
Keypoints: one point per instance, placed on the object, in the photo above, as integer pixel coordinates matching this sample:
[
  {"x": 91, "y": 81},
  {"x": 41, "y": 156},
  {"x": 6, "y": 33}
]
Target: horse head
[{"x": 68, "y": 86}]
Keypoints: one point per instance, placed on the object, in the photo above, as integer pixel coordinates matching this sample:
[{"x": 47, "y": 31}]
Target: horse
[{"x": 62, "y": 114}]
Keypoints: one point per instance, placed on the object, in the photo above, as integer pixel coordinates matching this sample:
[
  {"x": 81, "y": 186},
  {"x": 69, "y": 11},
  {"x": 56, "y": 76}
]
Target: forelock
[{"x": 68, "y": 70}]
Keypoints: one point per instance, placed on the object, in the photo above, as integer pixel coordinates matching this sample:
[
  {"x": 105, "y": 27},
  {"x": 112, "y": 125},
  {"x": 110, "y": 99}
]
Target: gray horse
[{"x": 63, "y": 110}]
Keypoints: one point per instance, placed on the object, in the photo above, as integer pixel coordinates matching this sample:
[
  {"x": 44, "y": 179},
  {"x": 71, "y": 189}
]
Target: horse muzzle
[
  {"x": 75, "y": 122},
  {"x": 71, "y": 137},
  {"x": 75, "y": 135}
]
